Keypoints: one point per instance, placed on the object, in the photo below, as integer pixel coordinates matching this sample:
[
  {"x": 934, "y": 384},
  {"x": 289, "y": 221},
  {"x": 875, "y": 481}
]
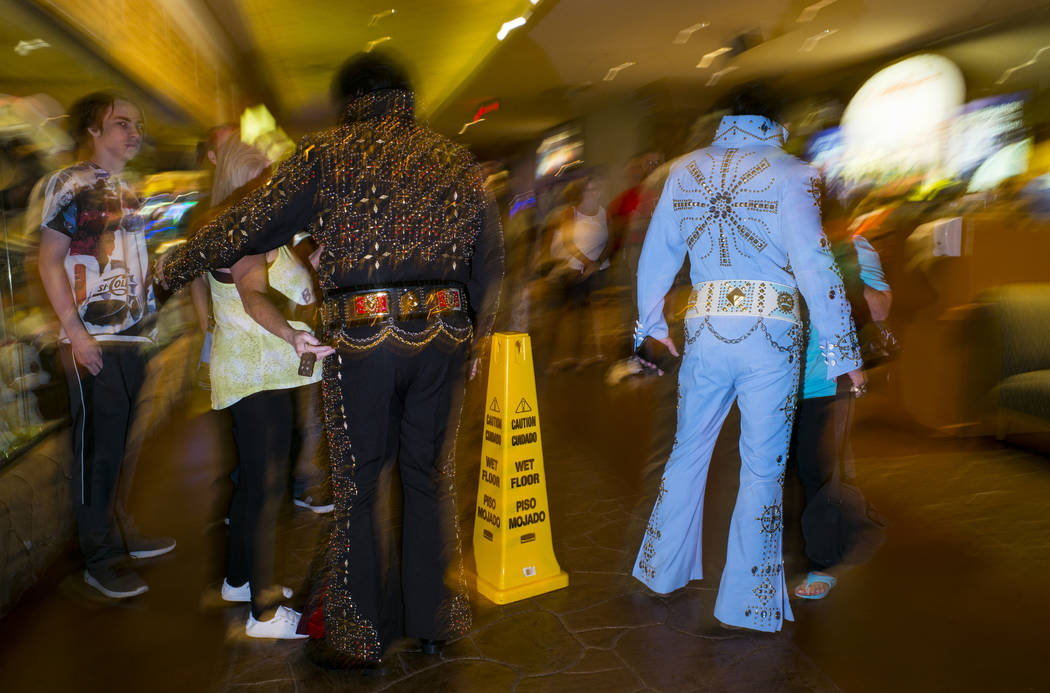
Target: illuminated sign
[{"x": 897, "y": 122}]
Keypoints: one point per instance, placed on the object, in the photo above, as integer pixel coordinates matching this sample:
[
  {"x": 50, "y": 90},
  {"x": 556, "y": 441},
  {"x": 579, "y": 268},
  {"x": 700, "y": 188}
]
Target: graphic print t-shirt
[{"x": 108, "y": 261}]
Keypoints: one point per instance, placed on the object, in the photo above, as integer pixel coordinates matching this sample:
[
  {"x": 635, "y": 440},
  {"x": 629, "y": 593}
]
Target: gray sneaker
[{"x": 115, "y": 584}]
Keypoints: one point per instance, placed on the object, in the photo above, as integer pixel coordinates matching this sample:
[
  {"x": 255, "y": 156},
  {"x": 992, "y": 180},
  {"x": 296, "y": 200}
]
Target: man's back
[
  {"x": 396, "y": 201},
  {"x": 734, "y": 204},
  {"x": 744, "y": 210},
  {"x": 390, "y": 200}
]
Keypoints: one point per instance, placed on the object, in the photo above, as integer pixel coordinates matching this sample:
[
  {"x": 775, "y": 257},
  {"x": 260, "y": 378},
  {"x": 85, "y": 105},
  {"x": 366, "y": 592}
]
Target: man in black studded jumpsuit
[{"x": 411, "y": 265}]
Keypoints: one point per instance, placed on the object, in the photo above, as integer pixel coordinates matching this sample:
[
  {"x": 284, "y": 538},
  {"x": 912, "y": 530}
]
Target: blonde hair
[{"x": 236, "y": 164}]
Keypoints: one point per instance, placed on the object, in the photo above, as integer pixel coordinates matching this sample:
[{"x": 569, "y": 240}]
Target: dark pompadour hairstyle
[
  {"x": 368, "y": 72},
  {"x": 755, "y": 98}
]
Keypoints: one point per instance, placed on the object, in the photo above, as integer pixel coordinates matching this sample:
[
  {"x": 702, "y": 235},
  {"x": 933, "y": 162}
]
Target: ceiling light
[
  {"x": 613, "y": 71},
  {"x": 809, "y": 13},
  {"x": 1008, "y": 73},
  {"x": 812, "y": 41},
  {"x": 372, "y": 44},
  {"x": 509, "y": 27},
  {"x": 716, "y": 77},
  {"x": 379, "y": 15},
  {"x": 705, "y": 62},
  {"x": 685, "y": 34},
  {"x": 565, "y": 167},
  {"x": 24, "y": 48}
]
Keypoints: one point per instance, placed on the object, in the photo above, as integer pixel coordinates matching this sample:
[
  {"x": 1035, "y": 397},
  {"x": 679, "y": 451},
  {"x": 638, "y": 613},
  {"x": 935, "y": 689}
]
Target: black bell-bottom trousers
[{"x": 395, "y": 408}]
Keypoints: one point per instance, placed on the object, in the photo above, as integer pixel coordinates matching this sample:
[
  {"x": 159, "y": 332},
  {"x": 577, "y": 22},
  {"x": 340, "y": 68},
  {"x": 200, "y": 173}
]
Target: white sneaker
[
  {"x": 244, "y": 592},
  {"x": 281, "y": 627}
]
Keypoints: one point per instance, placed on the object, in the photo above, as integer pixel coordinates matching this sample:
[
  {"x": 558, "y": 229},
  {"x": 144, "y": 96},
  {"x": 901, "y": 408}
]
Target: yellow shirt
[{"x": 245, "y": 357}]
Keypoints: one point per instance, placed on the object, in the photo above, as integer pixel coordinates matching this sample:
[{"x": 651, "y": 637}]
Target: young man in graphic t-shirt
[{"x": 95, "y": 269}]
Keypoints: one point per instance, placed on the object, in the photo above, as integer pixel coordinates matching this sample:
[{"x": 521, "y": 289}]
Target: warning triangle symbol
[
  {"x": 523, "y": 407},
  {"x": 495, "y": 405}
]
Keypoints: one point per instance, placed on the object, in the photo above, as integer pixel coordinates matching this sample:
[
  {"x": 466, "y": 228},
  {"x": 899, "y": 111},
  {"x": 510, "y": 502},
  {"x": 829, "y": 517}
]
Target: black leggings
[
  {"x": 817, "y": 445},
  {"x": 262, "y": 431}
]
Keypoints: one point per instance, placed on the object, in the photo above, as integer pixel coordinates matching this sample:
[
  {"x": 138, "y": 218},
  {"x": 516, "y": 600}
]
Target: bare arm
[
  {"x": 878, "y": 303},
  {"x": 54, "y": 247},
  {"x": 201, "y": 301},
  {"x": 249, "y": 274}
]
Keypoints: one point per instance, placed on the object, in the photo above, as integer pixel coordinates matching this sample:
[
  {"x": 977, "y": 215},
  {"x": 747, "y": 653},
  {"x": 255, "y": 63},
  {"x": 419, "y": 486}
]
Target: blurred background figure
[
  {"x": 255, "y": 373},
  {"x": 95, "y": 270},
  {"x": 579, "y": 255},
  {"x": 931, "y": 135},
  {"x": 820, "y": 444}
]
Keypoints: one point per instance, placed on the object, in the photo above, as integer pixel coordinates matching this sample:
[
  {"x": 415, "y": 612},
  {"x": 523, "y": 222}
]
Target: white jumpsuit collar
[{"x": 741, "y": 131}]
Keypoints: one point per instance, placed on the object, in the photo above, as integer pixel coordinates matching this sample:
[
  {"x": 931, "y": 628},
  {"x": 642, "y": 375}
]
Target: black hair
[
  {"x": 368, "y": 72},
  {"x": 90, "y": 111},
  {"x": 756, "y": 99}
]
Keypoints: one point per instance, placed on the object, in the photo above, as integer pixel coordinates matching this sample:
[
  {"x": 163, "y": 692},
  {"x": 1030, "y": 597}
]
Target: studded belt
[
  {"x": 400, "y": 302},
  {"x": 745, "y": 297}
]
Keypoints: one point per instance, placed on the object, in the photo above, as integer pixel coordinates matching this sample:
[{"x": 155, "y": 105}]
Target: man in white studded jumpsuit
[{"x": 748, "y": 215}]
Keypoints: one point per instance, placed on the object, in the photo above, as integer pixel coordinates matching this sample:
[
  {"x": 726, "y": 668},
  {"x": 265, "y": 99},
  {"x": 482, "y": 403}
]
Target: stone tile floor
[{"x": 956, "y": 600}]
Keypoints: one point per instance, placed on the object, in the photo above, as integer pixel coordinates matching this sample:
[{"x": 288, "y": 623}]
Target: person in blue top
[
  {"x": 822, "y": 420},
  {"x": 747, "y": 214}
]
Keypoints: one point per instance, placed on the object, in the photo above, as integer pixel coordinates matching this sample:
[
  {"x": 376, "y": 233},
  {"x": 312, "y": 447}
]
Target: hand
[
  {"x": 859, "y": 382},
  {"x": 667, "y": 342},
  {"x": 158, "y": 272},
  {"x": 315, "y": 257},
  {"x": 303, "y": 342},
  {"x": 87, "y": 352}
]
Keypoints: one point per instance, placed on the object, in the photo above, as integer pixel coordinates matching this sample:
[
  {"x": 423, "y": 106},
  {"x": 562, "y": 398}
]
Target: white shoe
[
  {"x": 244, "y": 592},
  {"x": 281, "y": 627}
]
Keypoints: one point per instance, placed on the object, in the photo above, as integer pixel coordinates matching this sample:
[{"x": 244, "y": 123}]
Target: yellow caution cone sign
[{"x": 512, "y": 527}]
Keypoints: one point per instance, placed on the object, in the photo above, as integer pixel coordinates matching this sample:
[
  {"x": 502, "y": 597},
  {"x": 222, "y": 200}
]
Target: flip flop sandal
[{"x": 819, "y": 579}]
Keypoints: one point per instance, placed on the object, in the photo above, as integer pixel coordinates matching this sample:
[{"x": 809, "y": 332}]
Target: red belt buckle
[{"x": 375, "y": 304}]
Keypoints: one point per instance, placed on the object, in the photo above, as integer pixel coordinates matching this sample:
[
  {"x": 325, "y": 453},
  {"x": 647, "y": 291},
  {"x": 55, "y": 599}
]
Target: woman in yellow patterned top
[{"x": 255, "y": 372}]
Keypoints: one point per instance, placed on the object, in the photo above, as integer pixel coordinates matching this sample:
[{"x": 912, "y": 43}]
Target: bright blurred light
[
  {"x": 705, "y": 62},
  {"x": 509, "y": 27},
  {"x": 372, "y": 44},
  {"x": 613, "y": 71},
  {"x": 1028, "y": 63},
  {"x": 24, "y": 48},
  {"x": 470, "y": 123},
  {"x": 810, "y": 12},
  {"x": 810, "y": 43},
  {"x": 897, "y": 122},
  {"x": 1011, "y": 160},
  {"x": 716, "y": 77},
  {"x": 256, "y": 121},
  {"x": 259, "y": 129},
  {"x": 685, "y": 34},
  {"x": 378, "y": 16}
]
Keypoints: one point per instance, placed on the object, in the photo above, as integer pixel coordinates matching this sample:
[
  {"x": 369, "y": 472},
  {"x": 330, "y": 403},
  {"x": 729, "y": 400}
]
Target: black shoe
[
  {"x": 115, "y": 584},
  {"x": 431, "y": 647},
  {"x": 149, "y": 547}
]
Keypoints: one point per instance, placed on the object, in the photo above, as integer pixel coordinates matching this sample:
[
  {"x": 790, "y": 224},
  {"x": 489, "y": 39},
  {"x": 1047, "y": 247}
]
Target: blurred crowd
[{"x": 573, "y": 235}]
